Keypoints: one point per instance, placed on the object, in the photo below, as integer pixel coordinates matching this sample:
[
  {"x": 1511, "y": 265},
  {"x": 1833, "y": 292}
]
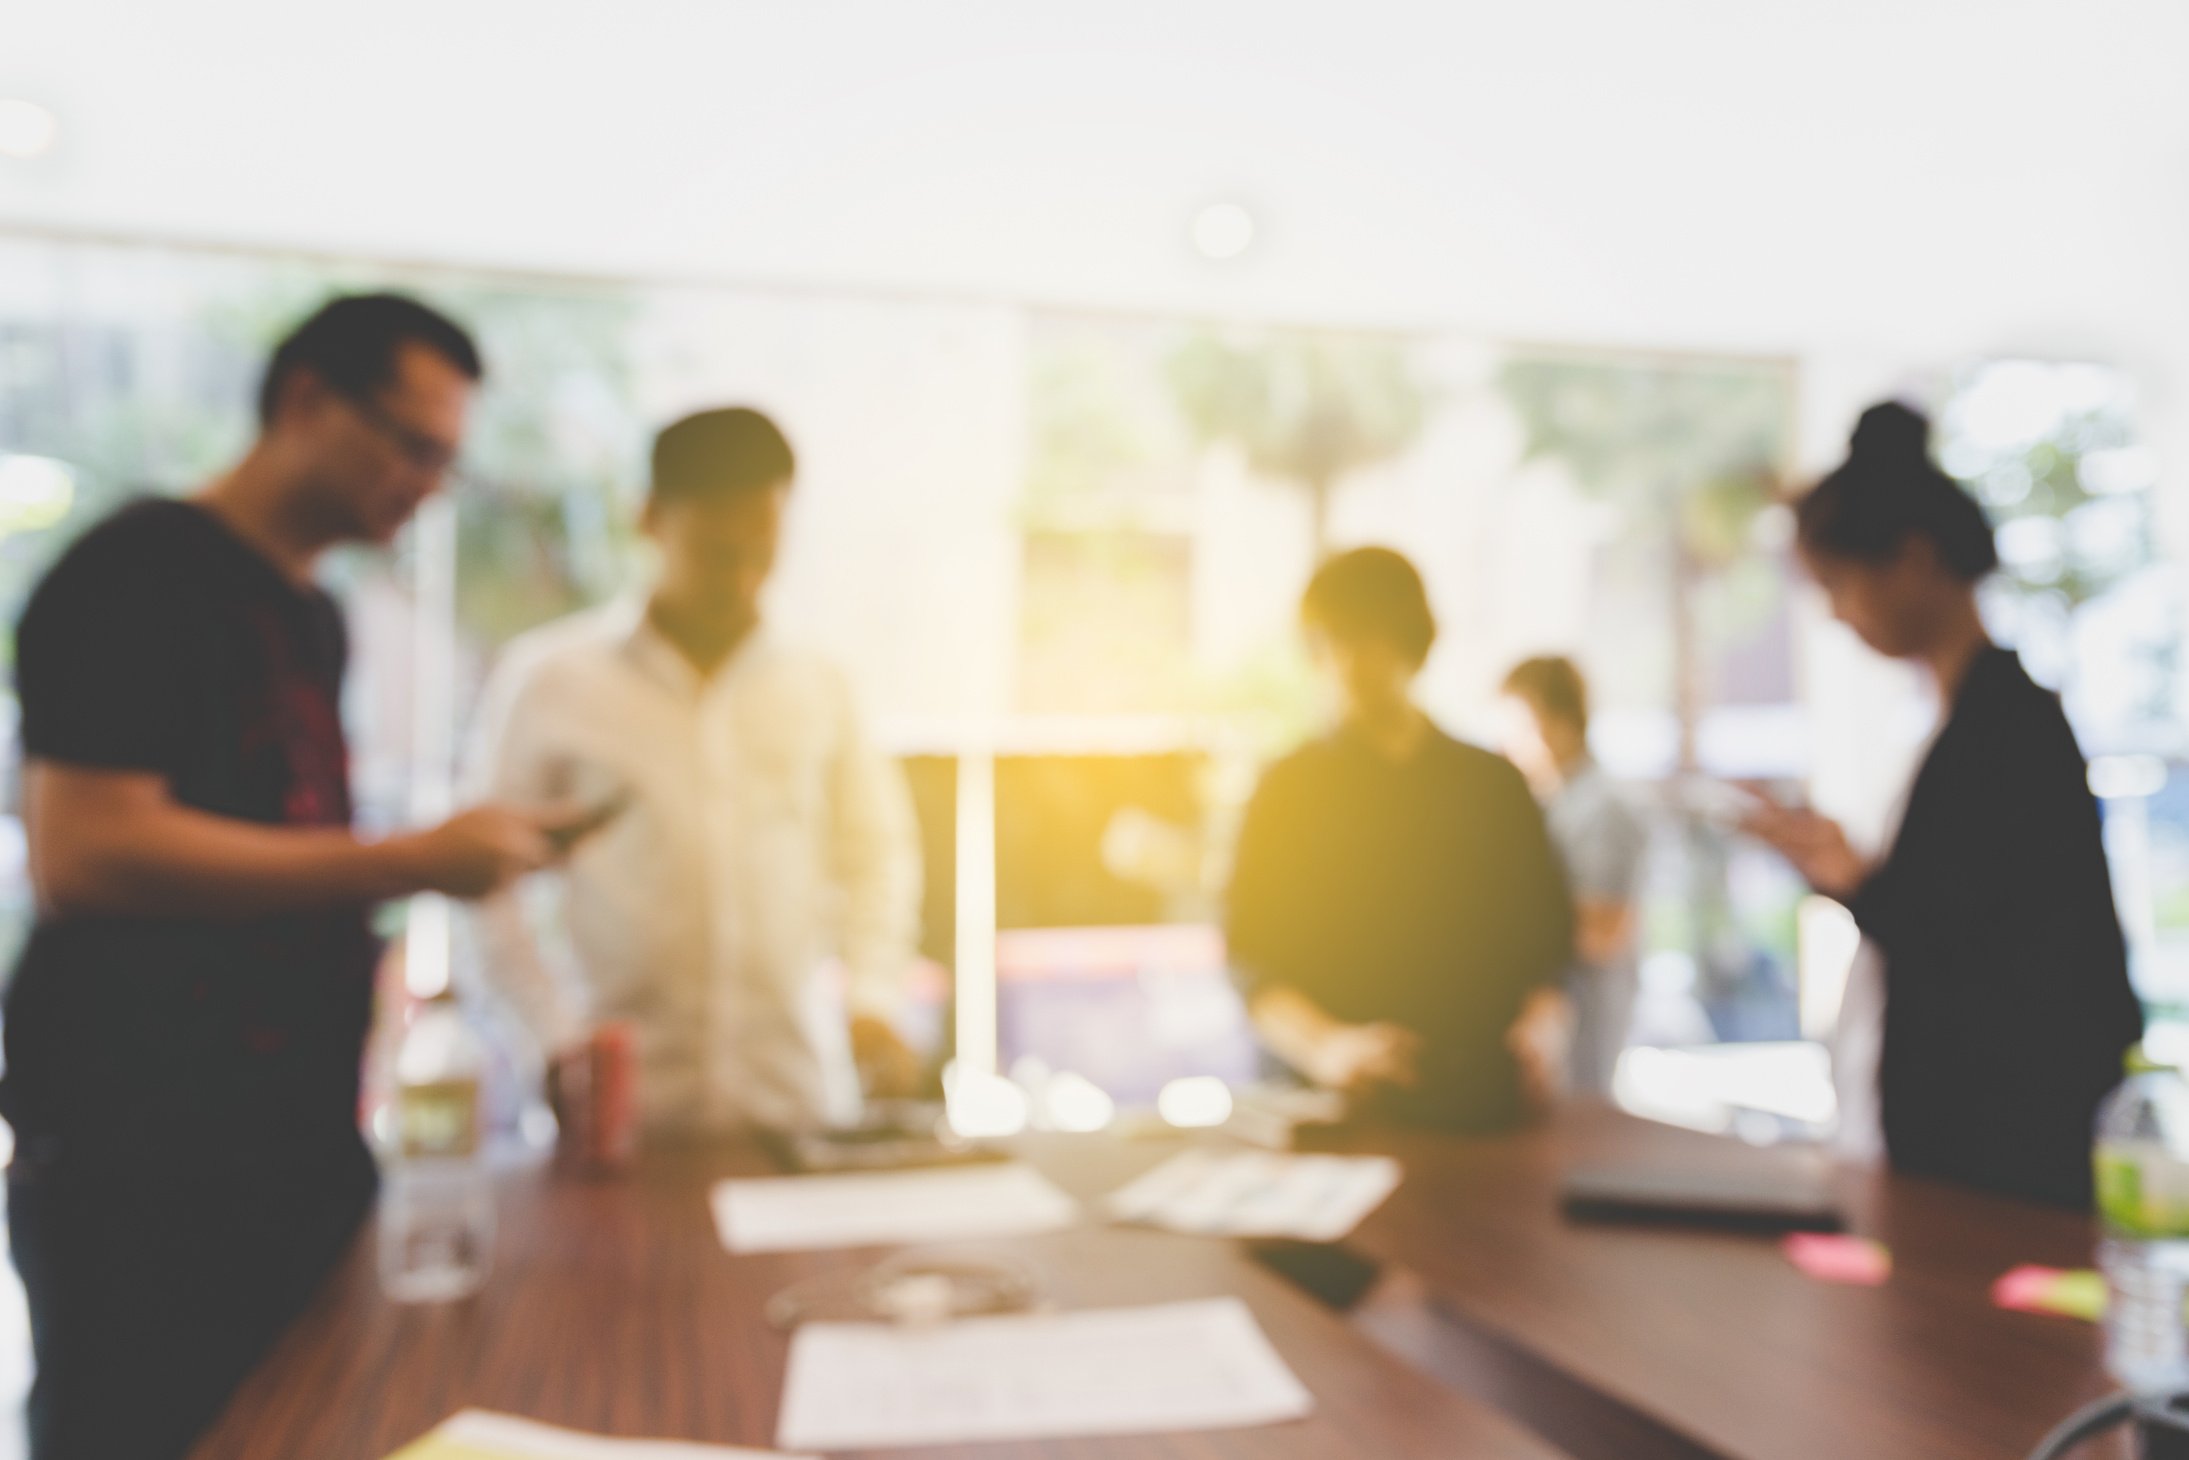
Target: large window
[
  {"x": 1060, "y": 554},
  {"x": 1182, "y": 480}
]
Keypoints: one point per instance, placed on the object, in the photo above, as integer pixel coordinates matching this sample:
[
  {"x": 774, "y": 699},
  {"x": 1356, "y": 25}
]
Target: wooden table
[
  {"x": 613, "y": 1308},
  {"x": 1631, "y": 1343}
]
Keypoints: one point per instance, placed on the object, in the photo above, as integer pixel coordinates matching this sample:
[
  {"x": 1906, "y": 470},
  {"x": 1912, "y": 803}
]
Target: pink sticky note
[
  {"x": 1830, "y": 1257},
  {"x": 2033, "y": 1289}
]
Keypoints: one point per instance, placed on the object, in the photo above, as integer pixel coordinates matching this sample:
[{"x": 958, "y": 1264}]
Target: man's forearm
[
  {"x": 1603, "y": 931},
  {"x": 172, "y": 860}
]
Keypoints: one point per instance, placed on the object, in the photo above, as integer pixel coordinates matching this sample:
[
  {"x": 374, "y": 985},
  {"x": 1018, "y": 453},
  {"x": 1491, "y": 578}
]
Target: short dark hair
[
  {"x": 352, "y": 340},
  {"x": 1552, "y": 683},
  {"x": 1372, "y": 593},
  {"x": 720, "y": 453},
  {"x": 1889, "y": 490}
]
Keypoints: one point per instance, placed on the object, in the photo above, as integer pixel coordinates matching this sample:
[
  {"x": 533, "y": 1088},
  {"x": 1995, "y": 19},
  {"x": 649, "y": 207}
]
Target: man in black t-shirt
[
  {"x": 1396, "y": 910},
  {"x": 185, "y": 1026}
]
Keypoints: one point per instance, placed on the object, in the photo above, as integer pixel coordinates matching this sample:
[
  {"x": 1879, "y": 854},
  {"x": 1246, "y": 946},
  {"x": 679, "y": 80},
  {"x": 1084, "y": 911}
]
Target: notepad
[
  {"x": 804, "y": 1213},
  {"x": 476, "y": 1435},
  {"x": 1176, "y": 1366},
  {"x": 1311, "y": 1198}
]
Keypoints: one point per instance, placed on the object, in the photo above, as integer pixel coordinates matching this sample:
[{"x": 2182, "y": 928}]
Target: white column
[
  {"x": 976, "y": 911},
  {"x": 433, "y": 727}
]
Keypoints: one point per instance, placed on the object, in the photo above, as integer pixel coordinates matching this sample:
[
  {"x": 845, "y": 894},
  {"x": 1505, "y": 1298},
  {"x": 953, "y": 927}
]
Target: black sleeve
[
  {"x": 1533, "y": 931},
  {"x": 1999, "y": 888},
  {"x": 100, "y": 657},
  {"x": 1878, "y": 905},
  {"x": 1264, "y": 891}
]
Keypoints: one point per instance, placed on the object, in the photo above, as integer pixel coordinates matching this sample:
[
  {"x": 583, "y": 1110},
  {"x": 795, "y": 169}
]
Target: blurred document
[
  {"x": 952, "y": 1203},
  {"x": 1177, "y": 1366},
  {"x": 477, "y": 1435},
  {"x": 1310, "y": 1198}
]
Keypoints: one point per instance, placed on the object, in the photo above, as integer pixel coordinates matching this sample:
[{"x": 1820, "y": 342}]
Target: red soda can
[{"x": 598, "y": 1096}]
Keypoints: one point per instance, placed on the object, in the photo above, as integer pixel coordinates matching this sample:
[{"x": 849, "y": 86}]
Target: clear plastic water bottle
[
  {"x": 2143, "y": 1197},
  {"x": 437, "y": 1199}
]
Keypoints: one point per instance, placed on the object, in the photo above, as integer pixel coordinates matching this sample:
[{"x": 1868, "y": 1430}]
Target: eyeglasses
[{"x": 423, "y": 452}]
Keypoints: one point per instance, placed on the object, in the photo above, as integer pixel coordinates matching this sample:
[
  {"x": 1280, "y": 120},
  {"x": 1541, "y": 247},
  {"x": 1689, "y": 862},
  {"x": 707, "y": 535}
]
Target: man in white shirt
[{"x": 756, "y": 834}]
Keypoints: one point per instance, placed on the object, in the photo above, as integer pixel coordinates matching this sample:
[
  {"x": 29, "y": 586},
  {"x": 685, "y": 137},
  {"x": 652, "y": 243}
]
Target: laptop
[{"x": 1769, "y": 1197}]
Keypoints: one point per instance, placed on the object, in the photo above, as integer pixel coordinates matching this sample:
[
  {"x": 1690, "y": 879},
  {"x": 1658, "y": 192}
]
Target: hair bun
[{"x": 1891, "y": 432}]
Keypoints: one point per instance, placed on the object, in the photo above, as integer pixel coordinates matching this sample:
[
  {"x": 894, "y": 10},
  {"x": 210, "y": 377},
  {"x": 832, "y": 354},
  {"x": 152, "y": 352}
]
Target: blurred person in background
[
  {"x": 2007, "y": 1006},
  {"x": 186, "y": 1024},
  {"x": 1396, "y": 912},
  {"x": 1601, "y": 842},
  {"x": 760, "y": 832}
]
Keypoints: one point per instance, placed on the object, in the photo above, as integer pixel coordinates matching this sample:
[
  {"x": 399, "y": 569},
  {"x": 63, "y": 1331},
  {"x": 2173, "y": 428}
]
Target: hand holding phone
[
  {"x": 1815, "y": 844},
  {"x": 1713, "y": 802},
  {"x": 566, "y": 829}
]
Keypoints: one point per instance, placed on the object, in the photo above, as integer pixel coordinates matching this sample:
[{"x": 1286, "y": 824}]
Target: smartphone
[
  {"x": 1724, "y": 805},
  {"x": 1710, "y": 801},
  {"x": 566, "y": 836}
]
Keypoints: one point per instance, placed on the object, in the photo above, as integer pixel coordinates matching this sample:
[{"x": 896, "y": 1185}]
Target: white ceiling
[{"x": 1920, "y": 175}]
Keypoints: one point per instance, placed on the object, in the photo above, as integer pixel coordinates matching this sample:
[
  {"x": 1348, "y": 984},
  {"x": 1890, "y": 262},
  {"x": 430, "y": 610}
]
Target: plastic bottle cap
[{"x": 2136, "y": 1062}]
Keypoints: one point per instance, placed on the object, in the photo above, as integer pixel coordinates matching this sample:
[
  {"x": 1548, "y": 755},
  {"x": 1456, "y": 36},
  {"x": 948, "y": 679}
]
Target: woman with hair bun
[{"x": 2007, "y": 1003}]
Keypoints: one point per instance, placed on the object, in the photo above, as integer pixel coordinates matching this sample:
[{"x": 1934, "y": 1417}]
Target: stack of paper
[
  {"x": 477, "y": 1435},
  {"x": 951, "y": 1203},
  {"x": 1177, "y": 1366},
  {"x": 1258, "y": 1194}
]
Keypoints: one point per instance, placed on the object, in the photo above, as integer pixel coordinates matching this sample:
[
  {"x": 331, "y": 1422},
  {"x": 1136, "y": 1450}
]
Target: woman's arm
[
  {"x": 1817, "y": 846},
  {"x": 1331, "y": 1052}
]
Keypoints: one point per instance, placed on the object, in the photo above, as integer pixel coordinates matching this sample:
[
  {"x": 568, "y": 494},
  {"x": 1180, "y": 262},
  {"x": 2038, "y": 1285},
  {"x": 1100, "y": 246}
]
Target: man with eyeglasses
[{"x": 186, "y": 1023}]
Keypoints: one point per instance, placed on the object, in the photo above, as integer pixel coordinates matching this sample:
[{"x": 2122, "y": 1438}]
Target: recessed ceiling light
[
  {"x": 1223, "y": 231},
  {"x": 26, "y": 128}
]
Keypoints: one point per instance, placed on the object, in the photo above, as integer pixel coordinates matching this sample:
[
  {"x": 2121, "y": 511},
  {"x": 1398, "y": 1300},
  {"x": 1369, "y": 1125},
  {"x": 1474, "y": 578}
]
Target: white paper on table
[
  {"x": 1175, "y": 1366},
  {"x": 866, "y": 1209},
  {"x": 475, "y": 1434},
  {"x": 1314, "y": 1198}
]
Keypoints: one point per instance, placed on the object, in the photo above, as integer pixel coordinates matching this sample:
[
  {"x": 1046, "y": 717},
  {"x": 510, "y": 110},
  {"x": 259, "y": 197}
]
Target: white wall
[
  {"x": 1804, "y": 176},
  {"x": 1876, "y": 188}
]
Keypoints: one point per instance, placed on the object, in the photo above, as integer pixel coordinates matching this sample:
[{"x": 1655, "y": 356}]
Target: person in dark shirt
[
  {"x": 186, "y": 1023},
  {"x": 2008, "y": 1009},
  {"x": 1396, "y": 911}
]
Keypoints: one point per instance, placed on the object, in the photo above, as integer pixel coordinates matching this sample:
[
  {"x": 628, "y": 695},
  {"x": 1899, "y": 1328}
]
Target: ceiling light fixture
[
  {"x": 26, "y": 128},
  {"x": 1223, "y": 231}
]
